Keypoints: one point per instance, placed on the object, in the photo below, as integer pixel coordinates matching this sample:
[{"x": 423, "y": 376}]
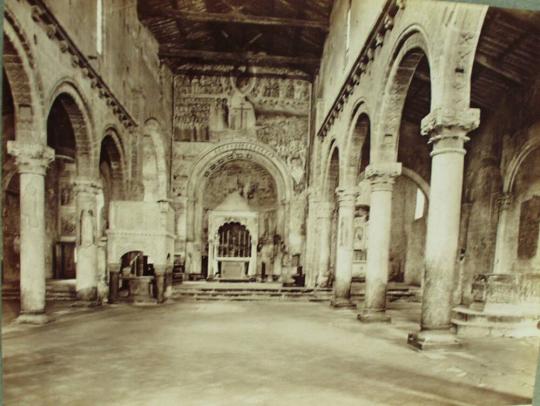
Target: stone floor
[{"x": 254, "y": 353}]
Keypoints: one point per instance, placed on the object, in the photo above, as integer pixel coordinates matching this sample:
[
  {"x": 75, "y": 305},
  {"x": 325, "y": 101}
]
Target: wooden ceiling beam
[
  {"x": 235, "y": 57},
  {"x": 492, "y": 65},
  {"x": 236, "y": 18}
]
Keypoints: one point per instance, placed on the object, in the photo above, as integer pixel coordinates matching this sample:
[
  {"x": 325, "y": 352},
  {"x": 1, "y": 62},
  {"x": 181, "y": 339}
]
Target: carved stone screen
[{"x": 529, "y": 222}]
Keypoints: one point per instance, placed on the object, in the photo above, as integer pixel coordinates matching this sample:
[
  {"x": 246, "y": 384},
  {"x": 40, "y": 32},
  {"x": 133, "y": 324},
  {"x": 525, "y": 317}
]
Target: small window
[
  {"x": 99, "y": 26},
  {"x": 420, "y": 204}
]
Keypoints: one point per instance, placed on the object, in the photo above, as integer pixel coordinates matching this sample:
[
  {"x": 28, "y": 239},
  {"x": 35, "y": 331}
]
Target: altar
[{"x": 232, "y": 240}]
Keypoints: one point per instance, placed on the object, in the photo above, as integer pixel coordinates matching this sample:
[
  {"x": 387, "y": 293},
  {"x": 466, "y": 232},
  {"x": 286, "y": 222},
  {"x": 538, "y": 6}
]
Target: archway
[
  {"x": 407, "y": 102},
  {"x": 11, "y": 191},
  {"x": 236, "y": 156},
  {"x": 254, "y": 190},
  {"x": 522, "y": 229},
  {"x": 112, "y": 175},
  {"x": 331, "y": 183},
  {"x": 358, "y": 159},
  {"x": 68, "y": 135}
]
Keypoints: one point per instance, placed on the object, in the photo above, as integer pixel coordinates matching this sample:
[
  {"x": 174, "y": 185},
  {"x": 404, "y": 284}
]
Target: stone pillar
[
  {"x": 87, "y": 191},
  {"x": 159, "y": 274},
  {"x": 311, "y": 242},
  {"x": 102, "y": 286},
  {"x": 114, "y": 280},
  {"x": 32, "y": 161},
  {"x": 503, "y": 258},
  {"x": 381, "y": 177},
  {"x": 447, "y": 130},
  {"x": 344, "y": 247},
  {"x": 324, "y": 217}
]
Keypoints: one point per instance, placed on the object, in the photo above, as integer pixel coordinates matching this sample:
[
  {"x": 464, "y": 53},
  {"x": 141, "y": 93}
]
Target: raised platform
[
  {"x": 255, "y": 291},
  {"x": 481, "y": 323}
]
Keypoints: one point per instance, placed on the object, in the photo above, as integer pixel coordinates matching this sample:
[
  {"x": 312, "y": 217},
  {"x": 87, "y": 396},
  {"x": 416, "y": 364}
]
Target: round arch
[
  {"x": 26, "y": 86},
  {"x": 153, "y": 140},
  {"x": 261, "y": 154},
  {"x": 406, "y": 56},
  {"x": 112, "y": 151},
  {"x": 77, "y": 109},
  {"x": 515, "y": 164},
  {"x": 332, "y": 166},
  {"x": 211, "y": 162},
  {"x": 358, "y": 134}
]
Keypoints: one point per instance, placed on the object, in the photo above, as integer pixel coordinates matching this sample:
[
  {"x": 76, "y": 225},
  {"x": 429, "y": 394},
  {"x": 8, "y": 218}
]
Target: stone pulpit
[{"x": 232, "y": 240}]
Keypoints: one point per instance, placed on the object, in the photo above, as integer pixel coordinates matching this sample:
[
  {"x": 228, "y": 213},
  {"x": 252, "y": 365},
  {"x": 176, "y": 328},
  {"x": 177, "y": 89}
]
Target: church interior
[{"x": 274, "y": 202}]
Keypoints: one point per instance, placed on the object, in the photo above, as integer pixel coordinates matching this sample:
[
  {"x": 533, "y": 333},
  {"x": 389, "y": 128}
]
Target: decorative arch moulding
[
  {"x": 375, "y": 40},
  {"x": 54, "y": 30}
]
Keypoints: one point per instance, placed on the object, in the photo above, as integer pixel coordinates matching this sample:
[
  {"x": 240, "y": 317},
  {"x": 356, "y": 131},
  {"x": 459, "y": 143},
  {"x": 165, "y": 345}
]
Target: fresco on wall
[{"x": 270, "y": 109}]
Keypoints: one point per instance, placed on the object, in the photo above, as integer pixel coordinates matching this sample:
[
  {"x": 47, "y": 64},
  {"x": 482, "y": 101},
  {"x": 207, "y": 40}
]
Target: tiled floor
[{"x": 254, "y": 353}]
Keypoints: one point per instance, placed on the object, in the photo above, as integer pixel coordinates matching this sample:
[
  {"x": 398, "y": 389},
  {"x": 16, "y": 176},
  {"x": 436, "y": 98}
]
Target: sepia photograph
[{"x": 270, "y": 202}]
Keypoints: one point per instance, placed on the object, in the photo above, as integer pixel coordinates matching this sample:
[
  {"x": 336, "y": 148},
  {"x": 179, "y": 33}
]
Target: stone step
[
  {"x": 52, "y": 293},
  {"x": 476, "y": 323}
]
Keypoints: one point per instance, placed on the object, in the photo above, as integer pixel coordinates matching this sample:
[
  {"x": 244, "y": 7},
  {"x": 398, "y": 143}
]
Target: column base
[
  {"x": 433, "y": 340},
  {"x": 33, "y": 318},
  {"x": 86, "y": 303},
  {"x": 374, "y": 316},
  {"x": 87, "y": 294},
  {"x": 342, "y": 303}
]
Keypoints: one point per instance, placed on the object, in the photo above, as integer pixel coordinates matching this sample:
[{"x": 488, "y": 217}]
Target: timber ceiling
[
  {"x": 283, "y": 33},
  {"x": 507, "y": 59}
]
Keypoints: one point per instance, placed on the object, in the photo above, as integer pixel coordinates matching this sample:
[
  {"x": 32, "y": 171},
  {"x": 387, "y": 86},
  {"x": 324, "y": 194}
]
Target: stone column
[
  {"x": 211, "y": 259},
  {"x": 503, "y": 258},
  {"x": 32, "y": 161},
  {"x": 159, "y": 274},
  {"x": 344, "y": 247},
  {"x": 381, "y": 177},
  {"x": 324, "y": 217},
  {"x": 114, "y": 280},
  {"x": 311, "y": 242},
  {"x": 87, "y": 191},
  {"x": 447, "y": 130}
]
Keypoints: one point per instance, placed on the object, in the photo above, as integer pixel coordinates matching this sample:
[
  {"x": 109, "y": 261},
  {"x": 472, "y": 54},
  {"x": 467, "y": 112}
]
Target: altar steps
[{"x": 255, "y": 292}]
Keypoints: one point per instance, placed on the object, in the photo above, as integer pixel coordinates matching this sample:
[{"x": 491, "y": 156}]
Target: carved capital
[
  {"x": 504, "y": 201},
  {"x": 447, "y": 128},
  {"x": 383, "y": 175},
  {"x": 346, "y": 196},
  {"x": 31, "y": 158}
]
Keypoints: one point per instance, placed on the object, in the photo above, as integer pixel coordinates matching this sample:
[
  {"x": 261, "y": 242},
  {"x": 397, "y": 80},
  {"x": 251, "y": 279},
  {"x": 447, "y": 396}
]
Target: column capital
[
  {"x": 447, "y": 128},
  {"x": 31, "y": 158},
  {"x": 382, "y": 175},
  {"x": 87, "y": 185},
  {"x": 346, "y": 195},
  {"x": 504, "y": 201}
]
